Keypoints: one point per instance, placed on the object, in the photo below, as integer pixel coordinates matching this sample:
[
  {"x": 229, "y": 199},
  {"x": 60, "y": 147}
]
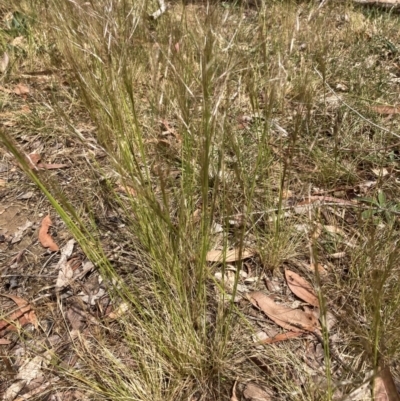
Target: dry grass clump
[{"x": 213, "y": 128}]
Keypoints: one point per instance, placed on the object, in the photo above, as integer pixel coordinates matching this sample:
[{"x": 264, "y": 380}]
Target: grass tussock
[{"x": 210, "y": 124}]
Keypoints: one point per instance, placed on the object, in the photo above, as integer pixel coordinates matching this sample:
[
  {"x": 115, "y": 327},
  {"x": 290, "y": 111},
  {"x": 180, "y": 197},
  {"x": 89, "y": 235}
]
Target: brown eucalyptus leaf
[
  {"x": 52, "y": 166},
  {"x": 44, "y": 236},
  {"x": 253, "y": 392},
  {"x": 281, "y": 337},
  {"x": 301, "y": 288},
  {"x": 291, "y": 319},
  {"x": 24, "y": 315},
  {"x": 384, "y": 386},
  {"x": 386, "y": 110}
]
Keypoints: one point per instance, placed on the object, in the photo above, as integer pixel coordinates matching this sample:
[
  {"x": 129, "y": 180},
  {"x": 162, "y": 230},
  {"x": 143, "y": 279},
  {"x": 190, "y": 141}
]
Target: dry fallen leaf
[
  {"x": 384, "y": 387},
  {"x": 253, "y": 392},
  {"x": 291, "y": 319},
  {"x": 386, "y": 110},
  {"x": 281, "y": 337},
  {"x": 21, "y": 90},
  {"x": 92, "y": 298},
  {"x": 380, "y": 172},
  {"x": 334, "y": 230},
  {"x": 21, "y": 231},
  {"x": 301, "y": 288},
  {"x": 337, "y": 255},
  {"x": 24, "y": 315},
  {"x": 26, "y": 195},
  {"x": 64, "y": 276},
  {"x": 17, "y": 41},
  {"x": 120, "y": 311},
  {"x": 28, "y": 372},
  {"x": 234, "y": 397},
  {"x": 40, "y": 389},
  {"x": 65, "y": 268},
  {"x": 44, "y": 236},
  {"x": 34, "y": 162},
  {"x": 76, "y": 316},
  {"x": 321, "y": 269},
  {"x": 127, "y": 190},
  {"x": 52, "y": 166},
  {"x": 232, "y": 255},
  {"x": 4, "y": 60}
]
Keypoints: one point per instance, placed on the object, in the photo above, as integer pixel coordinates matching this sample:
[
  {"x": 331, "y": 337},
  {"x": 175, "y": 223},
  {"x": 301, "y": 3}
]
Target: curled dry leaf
[
  {"x": 233, "y": 255},
  {"x": 301, "y": 288},
  {"x": 234, "y": 397},
  {"x": 34, "y": 162},
  {"x": 44, "y": 236},
  {"x": 291, "y": 319}
]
